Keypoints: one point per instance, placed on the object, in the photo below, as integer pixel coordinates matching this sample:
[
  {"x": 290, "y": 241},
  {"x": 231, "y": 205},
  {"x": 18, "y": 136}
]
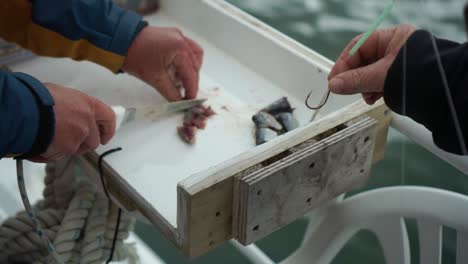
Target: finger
[
  {"x": 366, "y": 96},
  {"x": 375, "y": 98},
  {"x": 82, "y": 149},
  {"x": 92, "y": 141},
  {"x": 166, "y": 86},
  {"x": 187, "y": 75},
  {"x": 194, "y": 63},
  {"x": 341, "y": 64},
  {"x": 193, "y": 58},
  {"x": 368, "y": 79},
  {"x": 104, "y": 124},
  {"x": 198, "y": 51},
  {"x": 365, "y": 55},
  {"x": 52, "y": 156},
  {"x": 371, "y": 98}
]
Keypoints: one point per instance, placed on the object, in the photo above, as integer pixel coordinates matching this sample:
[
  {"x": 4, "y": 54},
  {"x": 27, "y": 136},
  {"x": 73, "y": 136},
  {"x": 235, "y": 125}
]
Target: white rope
[{"x": 78, "y": 219}]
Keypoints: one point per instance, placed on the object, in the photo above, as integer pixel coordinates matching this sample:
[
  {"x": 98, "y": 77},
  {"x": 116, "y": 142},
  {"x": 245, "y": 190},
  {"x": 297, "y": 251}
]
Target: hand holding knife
[{"x": 127, "y": 115}]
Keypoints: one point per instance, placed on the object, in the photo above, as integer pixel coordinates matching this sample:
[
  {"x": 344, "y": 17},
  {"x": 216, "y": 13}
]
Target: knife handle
[{"x": 119, "y": 115}]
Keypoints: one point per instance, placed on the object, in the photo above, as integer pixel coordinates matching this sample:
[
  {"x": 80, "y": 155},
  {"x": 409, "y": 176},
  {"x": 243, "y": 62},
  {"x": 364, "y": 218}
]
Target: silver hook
[{"x": 322, "y": 103}]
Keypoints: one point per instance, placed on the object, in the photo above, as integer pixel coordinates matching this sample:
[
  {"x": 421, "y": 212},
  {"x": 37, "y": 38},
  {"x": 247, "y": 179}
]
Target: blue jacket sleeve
[
  {"x": 101, "y": 22},
  {"x": 26, "y": 115},
  {"x": 95, "y": 30}
]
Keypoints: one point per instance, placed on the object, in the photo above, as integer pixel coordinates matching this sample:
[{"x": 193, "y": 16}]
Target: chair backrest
[{"x": 382, "y": 211}]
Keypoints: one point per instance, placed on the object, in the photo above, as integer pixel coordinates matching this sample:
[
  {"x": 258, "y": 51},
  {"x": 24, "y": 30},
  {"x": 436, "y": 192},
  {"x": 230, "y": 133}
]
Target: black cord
[
  {"x": 104, "y": 186},
  {"x": 101, "y": 171},
  {"x": 116, "y": 233}
]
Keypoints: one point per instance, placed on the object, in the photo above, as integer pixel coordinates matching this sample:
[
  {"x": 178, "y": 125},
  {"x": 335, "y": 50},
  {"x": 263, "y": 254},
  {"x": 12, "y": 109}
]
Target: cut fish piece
[
  {"x": 187, "y": 133},
  {"x": 263, "y": 135},
  {"x": 265, "y": 120},
  {"x": 288, "y": 121},
  {"x": 279, "y": 106},
  {"x": 194, "y": 118}
]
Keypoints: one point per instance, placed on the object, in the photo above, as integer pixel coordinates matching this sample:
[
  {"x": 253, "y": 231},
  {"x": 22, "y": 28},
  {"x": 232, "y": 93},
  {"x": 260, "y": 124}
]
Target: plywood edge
[
  {"x": 204, "y": 220},
  {"x": 183, "y": 224},
  {"x": 126, "y": 196},
  {"x": 220, "y": 172},
  {"x": 384, "y": 117}
]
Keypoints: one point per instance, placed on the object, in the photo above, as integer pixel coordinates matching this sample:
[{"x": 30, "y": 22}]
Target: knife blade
[{"x": 125, "y": 115}]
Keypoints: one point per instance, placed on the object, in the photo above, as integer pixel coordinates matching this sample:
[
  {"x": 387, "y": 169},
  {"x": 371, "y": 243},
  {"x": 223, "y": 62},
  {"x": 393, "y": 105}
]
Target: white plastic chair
[{"x": 382, "y": 211}]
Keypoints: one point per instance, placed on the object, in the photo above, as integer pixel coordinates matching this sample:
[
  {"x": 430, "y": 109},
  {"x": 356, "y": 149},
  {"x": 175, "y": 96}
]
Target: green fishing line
[{"x": 387, "y": 10}]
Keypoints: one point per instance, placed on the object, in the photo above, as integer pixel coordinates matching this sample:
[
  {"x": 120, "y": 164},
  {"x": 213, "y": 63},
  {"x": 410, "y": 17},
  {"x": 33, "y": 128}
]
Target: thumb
[
  {"x": 368, "y": 79},
  {"x": 105, "y": 120}
]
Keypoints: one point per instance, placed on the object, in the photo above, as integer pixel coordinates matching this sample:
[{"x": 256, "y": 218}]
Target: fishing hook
[{"x": 322, "y": 103}]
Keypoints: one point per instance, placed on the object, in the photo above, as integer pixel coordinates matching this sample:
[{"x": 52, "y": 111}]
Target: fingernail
[{"x": 336, "y": 85}]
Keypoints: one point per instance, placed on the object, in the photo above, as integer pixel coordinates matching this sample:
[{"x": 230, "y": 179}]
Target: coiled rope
[{"x": 80, "y": 222}]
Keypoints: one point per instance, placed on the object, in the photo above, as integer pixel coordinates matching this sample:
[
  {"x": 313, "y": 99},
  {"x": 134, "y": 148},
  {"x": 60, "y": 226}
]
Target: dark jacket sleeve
[
  {"x": 426, "y": 98},
  {"x": 27, "y": 122}
]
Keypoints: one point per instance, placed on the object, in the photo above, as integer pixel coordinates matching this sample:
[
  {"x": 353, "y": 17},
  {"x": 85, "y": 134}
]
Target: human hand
[
  {"x": 366, "y": 71},
  {"x": 161, "y": 57},
  {"x": 81, "y": 123}
]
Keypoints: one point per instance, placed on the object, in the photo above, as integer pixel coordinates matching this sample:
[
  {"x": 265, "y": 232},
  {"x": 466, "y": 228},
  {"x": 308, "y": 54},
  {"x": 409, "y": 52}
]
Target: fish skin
[
  {"x": 279, "y": 106},
  {"x": 288, "y": 121},
  {"x": 265, "y": 120},
  {"x": 263, "y": 135}
]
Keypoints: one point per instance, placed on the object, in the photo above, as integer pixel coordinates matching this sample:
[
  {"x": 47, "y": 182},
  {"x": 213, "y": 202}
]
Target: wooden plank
[
  {"x": 384, "y": 116},
  {"x": 279, "y": 193},
  {"x": 195, "y": 234},
  {"x": 203, "y": 210}
]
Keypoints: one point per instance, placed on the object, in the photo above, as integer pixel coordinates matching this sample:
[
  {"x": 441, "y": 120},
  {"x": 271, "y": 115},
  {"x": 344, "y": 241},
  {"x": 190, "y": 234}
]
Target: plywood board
[{"x": 276, "y": 195}]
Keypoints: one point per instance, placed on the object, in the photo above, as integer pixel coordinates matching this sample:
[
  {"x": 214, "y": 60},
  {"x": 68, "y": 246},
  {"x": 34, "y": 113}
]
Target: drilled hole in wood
[
  {"x": 312, "y": 165},
  {"x": 366, "y": 139},
  {"x": 309, "y": 200},
  {"x": 218, "y": 214},
  {"x": 256, "y": 228},
  {"x": 259, "y": 192},
  {"x": 362, "y": 171}
]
